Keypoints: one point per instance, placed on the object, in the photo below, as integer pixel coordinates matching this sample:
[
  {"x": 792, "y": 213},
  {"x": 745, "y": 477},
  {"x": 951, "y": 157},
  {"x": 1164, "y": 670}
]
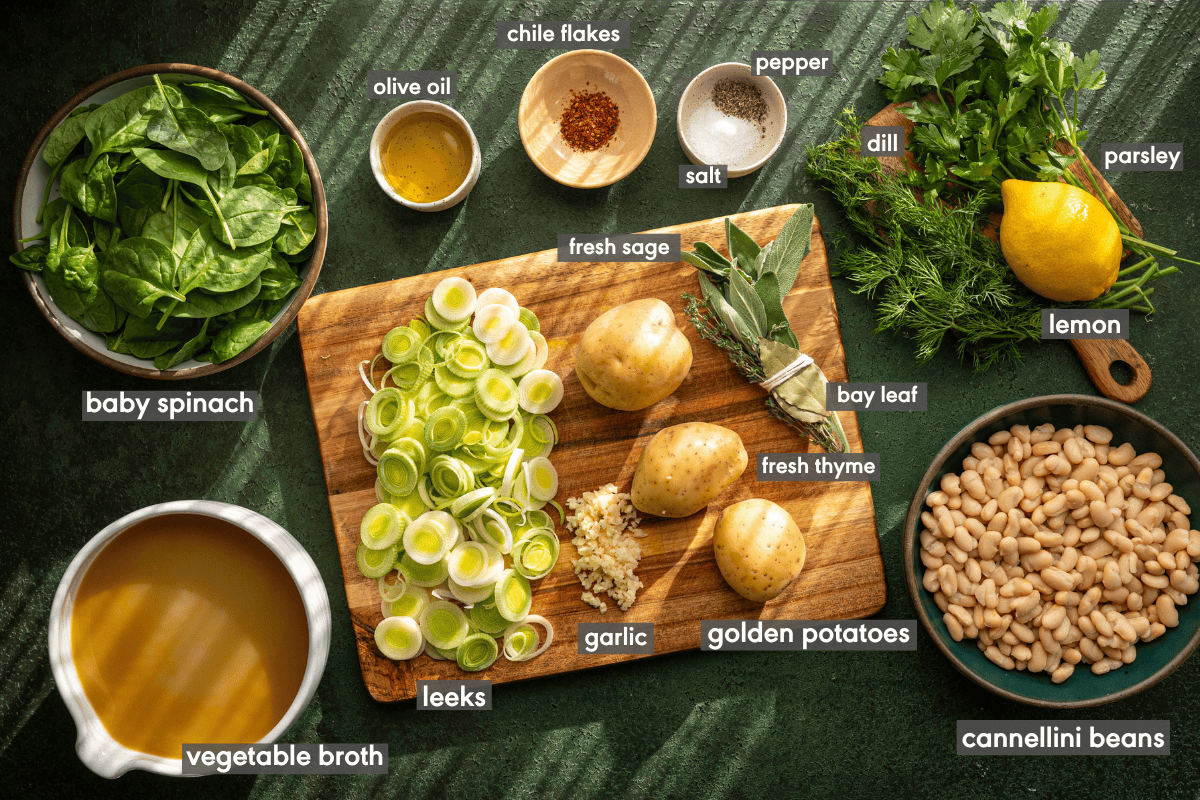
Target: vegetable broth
[
  {"x": 426, "y": 156},
  {"x": 186, "y": 628}
]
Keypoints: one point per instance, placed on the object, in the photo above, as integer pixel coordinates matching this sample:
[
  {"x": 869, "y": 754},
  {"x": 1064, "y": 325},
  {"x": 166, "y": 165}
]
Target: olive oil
[
  {"x": 186, "y": 628},
  {"x": 426, "y": 156}
]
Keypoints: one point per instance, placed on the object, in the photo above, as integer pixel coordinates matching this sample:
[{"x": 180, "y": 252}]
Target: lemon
[{"x": 1060, "y": 241}]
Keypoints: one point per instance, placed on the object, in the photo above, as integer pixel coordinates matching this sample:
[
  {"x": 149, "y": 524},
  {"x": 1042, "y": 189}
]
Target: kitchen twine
[{"x": 802, "y": 361}]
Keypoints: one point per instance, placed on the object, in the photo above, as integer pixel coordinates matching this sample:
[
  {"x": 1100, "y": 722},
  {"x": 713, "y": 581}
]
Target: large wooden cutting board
[{"x": 843, "y": 577}]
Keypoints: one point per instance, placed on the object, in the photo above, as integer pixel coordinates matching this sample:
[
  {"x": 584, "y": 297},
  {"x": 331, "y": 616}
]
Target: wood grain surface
[
  {"x": 843, "y": 577},
  {"x": 1097, "y": 355}
]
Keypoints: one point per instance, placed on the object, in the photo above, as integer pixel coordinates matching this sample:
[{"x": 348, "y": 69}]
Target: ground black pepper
[
  {"x": 590, "y": 121},
  {"x": 740, "y": 99}
]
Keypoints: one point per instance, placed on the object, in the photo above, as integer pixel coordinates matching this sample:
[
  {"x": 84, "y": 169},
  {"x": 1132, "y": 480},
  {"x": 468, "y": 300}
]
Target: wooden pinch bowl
[{"x": 549, "y": 93}]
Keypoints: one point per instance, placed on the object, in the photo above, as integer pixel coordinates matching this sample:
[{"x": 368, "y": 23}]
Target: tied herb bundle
[
  {"x": 742, "y": 313},
  {"x": 183, "y": 208},
  {"x": 992, "y": 97}
]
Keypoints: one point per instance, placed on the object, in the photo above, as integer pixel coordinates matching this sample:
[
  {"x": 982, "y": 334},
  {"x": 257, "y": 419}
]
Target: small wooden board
[
  {"x": 843, "y": 577},
  {"x": 1097, "y": 355}
]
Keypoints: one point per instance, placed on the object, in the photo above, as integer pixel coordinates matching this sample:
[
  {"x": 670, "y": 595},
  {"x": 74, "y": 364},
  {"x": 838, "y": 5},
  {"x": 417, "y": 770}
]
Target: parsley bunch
[{"x": 992, "y": 97}]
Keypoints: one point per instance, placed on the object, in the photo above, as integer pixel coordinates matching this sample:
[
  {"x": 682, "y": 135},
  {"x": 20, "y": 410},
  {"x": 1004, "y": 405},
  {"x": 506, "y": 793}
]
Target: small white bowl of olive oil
[{"x": 425, "y": 155}]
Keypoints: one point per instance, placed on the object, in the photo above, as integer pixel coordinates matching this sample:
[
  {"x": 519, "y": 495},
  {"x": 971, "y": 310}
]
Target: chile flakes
[{"x": 590, "y": 121}]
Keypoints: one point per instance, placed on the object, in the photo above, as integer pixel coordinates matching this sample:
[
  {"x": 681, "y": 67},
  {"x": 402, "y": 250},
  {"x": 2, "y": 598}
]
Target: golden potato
[
  {"x": 632, "y": 356},
  {"x": 684, "y": 467},
  {"x": 759, "y": 549}
]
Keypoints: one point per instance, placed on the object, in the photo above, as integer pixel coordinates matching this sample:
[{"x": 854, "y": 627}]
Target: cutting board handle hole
[{"x": 1121, "y": 372}]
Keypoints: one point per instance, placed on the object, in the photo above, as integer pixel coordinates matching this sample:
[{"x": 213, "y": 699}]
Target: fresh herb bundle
[
  {"x": 178, "y": 221},
  {"x": 742, "y": 313},
  {"x": 992, "y": 97}
]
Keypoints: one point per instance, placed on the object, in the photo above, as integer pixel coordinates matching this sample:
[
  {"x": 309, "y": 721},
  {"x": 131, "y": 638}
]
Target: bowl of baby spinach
[{"x": 170, "y": 221}]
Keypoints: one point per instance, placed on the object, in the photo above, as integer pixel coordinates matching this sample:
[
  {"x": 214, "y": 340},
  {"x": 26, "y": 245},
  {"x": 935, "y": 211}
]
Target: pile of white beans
[{"x": 1055, "y": 548}]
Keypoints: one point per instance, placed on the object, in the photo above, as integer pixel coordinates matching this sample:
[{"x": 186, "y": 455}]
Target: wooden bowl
[
  {"x": 35, "y": 174},
  {"x": 548, "y": 94},
  {"x": 1155, "y": 659}
]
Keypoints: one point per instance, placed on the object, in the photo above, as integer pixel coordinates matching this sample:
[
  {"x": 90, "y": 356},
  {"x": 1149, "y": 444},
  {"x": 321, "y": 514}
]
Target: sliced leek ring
[
  {"x": 542, "y": 478},
  {"x": 485, "y": 617},
  {"x": 519, "y": 651},
  {"x": 543, "y": 349},
  {"x": 376, "y": 563},
  {"x": 397, "y": 471},
  {"x": 429, "y": 537},
  {"x": 444, "y": 624},
  {"x": 468, "y": 595},
  {"x": 494, "y": 530},
  {"x": 502, "y": 297},
  {"x": 409, "y": 604},
  {"x": 468, "y": 563},
  {"x": 524, "y": 366},
  {"x": 511, "y": 347},
  {"x": 445, "y": 428},
  {"x": 528, "y": 319},
  {"x": 536, "y": 554},
  {"x": 454, "y": 299},
  {"x": 382, "y": 526},
  {"x": 492, "y": 322},
  {"x": 399, "y": 638},
  {"x": 541, "y": 391},
  {"x": 513, "y": 595},
  {"x": 401, "y": 345},
  {"x": 496, "y": 394},
  {"x": 425, "y": 575},
  {"x": 477, "y": 652}
]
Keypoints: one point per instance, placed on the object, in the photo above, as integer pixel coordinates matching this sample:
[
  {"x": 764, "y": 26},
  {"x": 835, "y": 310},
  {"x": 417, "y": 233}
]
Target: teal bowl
[{"x": 1155, "y": 659}]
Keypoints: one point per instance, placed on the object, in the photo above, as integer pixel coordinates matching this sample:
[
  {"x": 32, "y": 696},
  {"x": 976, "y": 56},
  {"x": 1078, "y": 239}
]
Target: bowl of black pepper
[
  {"x": 728, "y": 116},
  {"x": 587, "y": 118}
]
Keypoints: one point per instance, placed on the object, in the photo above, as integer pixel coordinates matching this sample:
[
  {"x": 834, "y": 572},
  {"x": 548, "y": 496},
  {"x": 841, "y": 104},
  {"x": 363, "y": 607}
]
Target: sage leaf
[
  {"x": 790, "y": 248},
  {"x": 742, "y": 247},
  {"x": 720, "y": 306},
  {"x": 778, "y": 326},
  {"x": 747, "y": 304}
]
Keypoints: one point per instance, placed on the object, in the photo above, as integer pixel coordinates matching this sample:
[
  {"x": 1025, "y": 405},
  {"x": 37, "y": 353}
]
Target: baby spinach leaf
[
  {"x": 188, "y": 349},
  {"x": 218, "y": 98},
  {"x": 278, "y": 280},
  {"x": 171, "y": 165},
  {"x": 121, "y": 123},
  {"x": 149, "y": 330},
  {"x": 265, "y": 128},
  {"x": 105, "y": 235},
  {"x": 253, "y": 215},
  {"x": 93, "y": 193},
  {"x": 139, "y": 195},
  {"x": 175, "y": 226},
  {"x": 299, "y": 228},
  {"x": 32, "y": 259},
  {"x": 138, "y": 271},
  {"x": 256, "y": 164},
  {"x": 221, "y": 180},
  {"x": 236, "y": 337},
  {"x": 73, "y": 288},
  {"x": 243, "y": 142},
  {"x": 186, "y": 129},
  {"x": 202, "y": 305},
  {"x": 63, "y": 140},
  {"x": 212, "y": 265}
]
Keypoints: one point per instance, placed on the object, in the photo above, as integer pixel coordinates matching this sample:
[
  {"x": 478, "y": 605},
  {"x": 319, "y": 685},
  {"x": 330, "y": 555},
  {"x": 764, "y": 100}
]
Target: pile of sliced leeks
[{"x": 457, "y": 427}]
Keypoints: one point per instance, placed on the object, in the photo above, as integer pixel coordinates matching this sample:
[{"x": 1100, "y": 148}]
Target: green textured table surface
[{"x": 685, "y": 725}]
